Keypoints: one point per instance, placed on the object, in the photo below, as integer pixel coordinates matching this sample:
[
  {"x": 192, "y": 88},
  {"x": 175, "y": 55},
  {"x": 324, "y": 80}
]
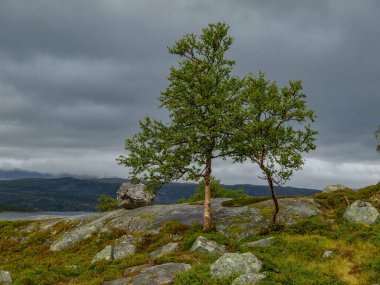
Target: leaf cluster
[{"x": 275, "y": 127}]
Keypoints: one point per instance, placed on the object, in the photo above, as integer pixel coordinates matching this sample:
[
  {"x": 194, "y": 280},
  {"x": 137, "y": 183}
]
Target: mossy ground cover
[{"x": 295, "y": 257}]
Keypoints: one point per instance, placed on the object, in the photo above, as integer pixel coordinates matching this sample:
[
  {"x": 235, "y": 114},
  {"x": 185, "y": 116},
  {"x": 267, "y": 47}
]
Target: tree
[
  {"x": 274, "y": 130},
  {"x": 106, "y": 204},
  {"x": 377, "y": 136},
  {"x": 202, "y": 105},
  {"x": 217, "y": 192}
]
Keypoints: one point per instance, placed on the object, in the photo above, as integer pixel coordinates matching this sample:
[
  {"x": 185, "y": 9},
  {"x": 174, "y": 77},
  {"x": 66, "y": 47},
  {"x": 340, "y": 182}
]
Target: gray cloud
[{"x": 76, "y": 76}]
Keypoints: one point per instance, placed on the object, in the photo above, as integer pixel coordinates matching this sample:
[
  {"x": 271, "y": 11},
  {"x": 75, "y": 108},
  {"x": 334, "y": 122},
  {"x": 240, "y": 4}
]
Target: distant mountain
[
  {"x": 8, "y": 174},
  {"x": 73, "y": 194}
]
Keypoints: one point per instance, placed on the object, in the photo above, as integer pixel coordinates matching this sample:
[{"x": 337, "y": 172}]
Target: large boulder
[
  {"x": 202, "y": 244},
  {"x": 361, "y": 212},
  {"x": 5, "y": 278},
  {"x": 131, "y": 196},
  {"x": 232, "y": 263},
  {"x": 333, "y": 188}
]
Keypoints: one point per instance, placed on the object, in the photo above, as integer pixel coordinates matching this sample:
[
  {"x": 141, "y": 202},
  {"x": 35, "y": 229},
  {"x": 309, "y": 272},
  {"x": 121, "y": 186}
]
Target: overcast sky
[{"x": 77, "y": 76}]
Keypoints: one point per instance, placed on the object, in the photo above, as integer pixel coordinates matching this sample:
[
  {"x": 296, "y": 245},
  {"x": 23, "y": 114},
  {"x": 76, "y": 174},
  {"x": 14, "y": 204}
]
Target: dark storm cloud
[{"x": 76, "y": 76}]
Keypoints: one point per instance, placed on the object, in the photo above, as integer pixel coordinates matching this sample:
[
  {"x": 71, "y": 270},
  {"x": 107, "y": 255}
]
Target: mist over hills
[{"x": 43, "y": 192}]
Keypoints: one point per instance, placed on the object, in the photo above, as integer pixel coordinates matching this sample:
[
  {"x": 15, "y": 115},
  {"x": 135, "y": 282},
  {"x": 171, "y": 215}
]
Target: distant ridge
[{"x": 74, "y": 194}]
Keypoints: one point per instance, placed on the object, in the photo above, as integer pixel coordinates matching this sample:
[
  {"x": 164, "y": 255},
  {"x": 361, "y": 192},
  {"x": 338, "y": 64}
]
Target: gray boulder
[
  {"x": 232, "y": 263},
  {"x": 260, "y": 243},
  {"x": 159, "y": 275},
  {"x": 205, "y": 245},
  {"x": 334, "y": 187},
  {"x": 249, "y": 278},
  {"x": 104, "y": 254},
  {"x": 125, "y": 245},
  {"x": 361, "y": 212},
  {"x": 131, "y": 196},
  {"x": 5, "y": 278},
  {"x": 170, "y": 247}
]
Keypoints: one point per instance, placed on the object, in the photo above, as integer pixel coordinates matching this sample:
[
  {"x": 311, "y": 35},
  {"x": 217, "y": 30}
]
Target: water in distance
[{"x": 33, "y": 215}]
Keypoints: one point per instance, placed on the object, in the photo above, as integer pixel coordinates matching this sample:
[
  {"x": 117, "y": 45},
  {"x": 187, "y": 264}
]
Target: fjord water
[{"x": 33, "y": 215}]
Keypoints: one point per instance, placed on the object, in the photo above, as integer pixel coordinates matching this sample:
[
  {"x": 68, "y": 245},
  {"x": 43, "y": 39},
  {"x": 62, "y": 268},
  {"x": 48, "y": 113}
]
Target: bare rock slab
[
  {"x": 361, "y": 212},
  {"x": 249, "y": 278},
  {"x": 232, "y": 263},
  {"x": 5, "y": 278},
  {"x": 131, "y": 196},
  {"x": 202, "y": 244}
]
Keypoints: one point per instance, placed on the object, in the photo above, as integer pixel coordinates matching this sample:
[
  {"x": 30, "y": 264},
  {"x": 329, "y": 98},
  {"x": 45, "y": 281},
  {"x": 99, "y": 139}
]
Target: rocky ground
[{"x": 164, "y": 244}]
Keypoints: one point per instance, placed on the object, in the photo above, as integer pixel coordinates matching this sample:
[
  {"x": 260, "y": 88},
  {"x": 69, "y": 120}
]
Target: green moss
[{"x": 250, "y": 200}]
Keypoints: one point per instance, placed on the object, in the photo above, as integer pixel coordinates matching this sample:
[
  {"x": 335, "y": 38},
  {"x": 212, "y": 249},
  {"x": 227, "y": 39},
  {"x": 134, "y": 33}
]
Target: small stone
[
  {"x": 249, "y": 278},
  {"x": 361, "y": 212},
  {"x": 176, "y": 237},
  {"x": 121, "y": 281},
  {"x": 260, "y": 243},
  {"x": 170, "y": 247},
  {"x": 125, "y": 245},
  {"x": 105, "y": 254},
  {"x": 202, "y": 244},
  {"x": 5, "y": 278},
  {"x": 159, "y": 274},
  {"x": 232, "y": 263},
  {"x": 327, "y": 254}
]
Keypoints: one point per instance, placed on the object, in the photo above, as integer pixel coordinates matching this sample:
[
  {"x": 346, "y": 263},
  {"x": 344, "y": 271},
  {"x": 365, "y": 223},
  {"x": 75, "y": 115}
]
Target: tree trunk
[
  {"x": 207, "y": 215},
  {"x": 274, "y": 198}
]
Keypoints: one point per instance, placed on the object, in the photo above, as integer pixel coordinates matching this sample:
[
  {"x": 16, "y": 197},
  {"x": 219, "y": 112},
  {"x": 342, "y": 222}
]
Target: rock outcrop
[
  {"x": 232, "y": 263},
  {"x": 202, "y": 244},
  {"x": 131, "y": 196},
  {"x": 361, "y": 212},
  {"x": 123, "y": 246},
  {"x": 234, "y": 222},
  {"x": 5, "y": 278},
  {"x": 333, "y": 188}
]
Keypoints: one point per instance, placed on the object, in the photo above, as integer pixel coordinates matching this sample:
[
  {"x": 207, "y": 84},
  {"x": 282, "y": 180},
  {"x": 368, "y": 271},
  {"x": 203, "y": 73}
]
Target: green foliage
[
  {"x": 371, "y": 194},
  {"x": 202, "y": 105},
  {"x": 275, "y": 128},
  {"x": 106, "y": 204},
  {"x": 335, "y": 200},
  {"x": 217, "y": 191},
  {"x": 248, "y": 200}
]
